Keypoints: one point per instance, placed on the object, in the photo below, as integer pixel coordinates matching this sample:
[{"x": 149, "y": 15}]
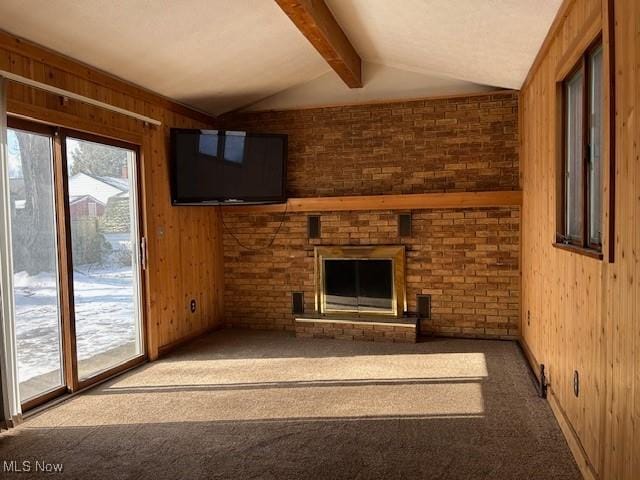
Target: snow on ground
[{"x": 104, "y": 305}]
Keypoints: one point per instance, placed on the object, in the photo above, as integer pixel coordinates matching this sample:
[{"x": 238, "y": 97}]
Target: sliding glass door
[
  {"x": 36, "y": 289},
  {"x": 105, "y": 243},
  {"x": 76, "y": 292}
]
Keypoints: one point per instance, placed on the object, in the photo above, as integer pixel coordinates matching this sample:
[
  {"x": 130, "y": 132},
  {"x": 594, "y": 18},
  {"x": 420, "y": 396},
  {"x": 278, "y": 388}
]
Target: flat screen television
[{"x": 212, "y": 167}]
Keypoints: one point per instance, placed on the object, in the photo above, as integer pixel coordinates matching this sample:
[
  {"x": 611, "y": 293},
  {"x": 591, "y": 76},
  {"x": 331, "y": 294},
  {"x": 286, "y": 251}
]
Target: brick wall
[
  {"x": 457, "y": 144},
  {"x": 467, "y": 259}
]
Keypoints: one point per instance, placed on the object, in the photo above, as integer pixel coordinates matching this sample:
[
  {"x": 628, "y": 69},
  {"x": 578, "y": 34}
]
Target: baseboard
[
  {"x": 585, "y": 466},
  {"x": 570, "y": 435},
  {"x": 531, "y": 358},
  {"x": 169, "y": 347},
  {"x": 426, "y": 334}
]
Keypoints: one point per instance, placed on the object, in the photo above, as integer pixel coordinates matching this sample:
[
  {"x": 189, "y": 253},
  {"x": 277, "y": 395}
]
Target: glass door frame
[
  {"x": 15, "y": 123},
  {"x": 76, "y": 382},
  {"x": 71, "y": 381}
]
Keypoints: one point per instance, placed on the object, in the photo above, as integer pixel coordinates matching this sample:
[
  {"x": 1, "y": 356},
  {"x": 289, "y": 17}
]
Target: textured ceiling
[
  {"x": 492, "y": 42},
  {"x": 219, "y": 55},
  {"x": 380, "y": 82},
  {"x": 214, "y": 55}
]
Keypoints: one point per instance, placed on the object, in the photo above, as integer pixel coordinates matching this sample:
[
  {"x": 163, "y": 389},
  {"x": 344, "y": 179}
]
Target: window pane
[
  {"x": 595, "y": 140},
  {"x": 208, "y": 144},
  {"x": 234, "y": 147},
  {"x": 104, "y": 250},
  {"x": 574, "y": 165},
  {"x": 35, "y": 263}
]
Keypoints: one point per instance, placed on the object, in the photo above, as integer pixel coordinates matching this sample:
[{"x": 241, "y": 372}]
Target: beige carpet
[{"x": 242, "y": 404}]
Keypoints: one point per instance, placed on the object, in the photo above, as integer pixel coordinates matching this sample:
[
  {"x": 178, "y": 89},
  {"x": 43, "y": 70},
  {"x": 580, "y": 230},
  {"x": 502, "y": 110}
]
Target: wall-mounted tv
[{"x": 212, "y": 167}]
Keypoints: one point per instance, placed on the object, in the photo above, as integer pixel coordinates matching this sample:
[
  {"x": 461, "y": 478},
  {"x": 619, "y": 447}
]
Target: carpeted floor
[{"x": 242, "y": 404}]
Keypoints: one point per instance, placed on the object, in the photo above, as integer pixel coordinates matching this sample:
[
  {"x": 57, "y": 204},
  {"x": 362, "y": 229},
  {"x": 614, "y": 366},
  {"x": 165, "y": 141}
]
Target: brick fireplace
[
  {"x": 466, "y": 258},
  {"x": 360, "y": 294}
]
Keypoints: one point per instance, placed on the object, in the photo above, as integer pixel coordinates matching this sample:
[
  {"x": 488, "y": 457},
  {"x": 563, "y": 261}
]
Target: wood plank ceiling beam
[{"x": 316, "y": 22}]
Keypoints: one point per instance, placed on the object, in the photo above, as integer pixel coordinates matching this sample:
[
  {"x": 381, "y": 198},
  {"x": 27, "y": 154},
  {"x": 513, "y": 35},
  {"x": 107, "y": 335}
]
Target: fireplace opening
[
  {"x": 360, "y": 280},
  {"x": 359, "y": 285}
]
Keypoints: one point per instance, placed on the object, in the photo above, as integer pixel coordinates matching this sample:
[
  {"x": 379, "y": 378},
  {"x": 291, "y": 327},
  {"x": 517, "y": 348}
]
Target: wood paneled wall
[
  {"x": 580, "y": 313},
  {"x": 622, "y": 295},
  {"x": 184, "y": 243}
]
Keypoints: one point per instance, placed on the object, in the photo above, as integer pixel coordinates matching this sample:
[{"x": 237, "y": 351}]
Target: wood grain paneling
[
  {"x": 184, "y": 243},
  {"x": 622, "y": 296},
  {"x": 562, "y": 291},
  {"x": 583, "y": 312}
]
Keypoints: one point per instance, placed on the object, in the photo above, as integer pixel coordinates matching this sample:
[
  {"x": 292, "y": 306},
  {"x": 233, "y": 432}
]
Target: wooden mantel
[{"x": 415, "y": 201}]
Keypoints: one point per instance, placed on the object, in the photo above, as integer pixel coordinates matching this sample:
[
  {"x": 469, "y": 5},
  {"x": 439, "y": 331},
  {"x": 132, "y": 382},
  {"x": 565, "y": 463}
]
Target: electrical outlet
[{"x": 193, "y": 305}]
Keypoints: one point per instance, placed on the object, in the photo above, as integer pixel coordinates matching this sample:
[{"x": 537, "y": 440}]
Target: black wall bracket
[{"x": 542, "y": 388}]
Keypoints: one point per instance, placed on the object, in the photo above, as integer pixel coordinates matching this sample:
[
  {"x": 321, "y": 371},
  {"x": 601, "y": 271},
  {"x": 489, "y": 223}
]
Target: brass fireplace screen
[{"x": 362, "y": 280}]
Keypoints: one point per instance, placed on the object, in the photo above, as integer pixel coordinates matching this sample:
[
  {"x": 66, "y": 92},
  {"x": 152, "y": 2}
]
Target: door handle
[{"x": 143, "y": 253}]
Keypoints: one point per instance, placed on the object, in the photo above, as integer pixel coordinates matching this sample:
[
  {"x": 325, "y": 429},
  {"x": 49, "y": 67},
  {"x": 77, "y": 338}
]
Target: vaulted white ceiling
[
  {"x": 214, "y": 55},
  {"x": 379, "y": 82},
  {"x": 220, "y": 55},
  {"x": 492, "y": 42}
]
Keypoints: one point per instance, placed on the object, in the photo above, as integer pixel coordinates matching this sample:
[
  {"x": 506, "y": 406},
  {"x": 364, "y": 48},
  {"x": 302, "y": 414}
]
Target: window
[
  {"x": 208, "y": 143},
  {"x": 74, "y": 295},
  {"x": 580, "y": 224},
  {"x": 234, "y": 146}
]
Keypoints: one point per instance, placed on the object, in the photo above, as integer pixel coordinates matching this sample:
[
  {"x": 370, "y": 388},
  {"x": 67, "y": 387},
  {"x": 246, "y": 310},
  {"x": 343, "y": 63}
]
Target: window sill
[{"x": 588, "y": 252}]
